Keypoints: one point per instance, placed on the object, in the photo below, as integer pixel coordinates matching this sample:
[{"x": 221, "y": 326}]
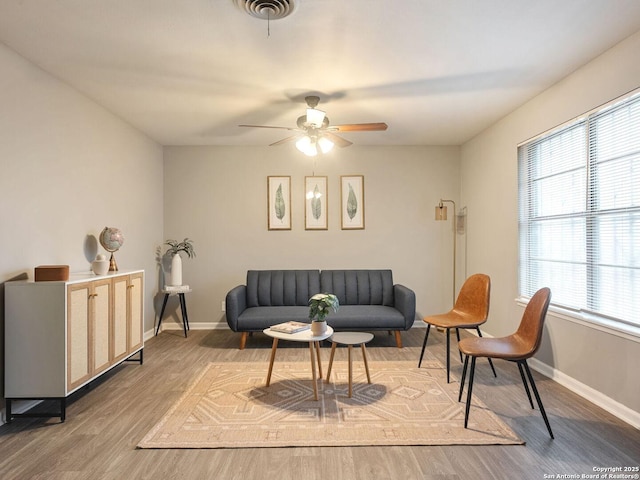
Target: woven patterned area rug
[{"x": 229, "y": 406}]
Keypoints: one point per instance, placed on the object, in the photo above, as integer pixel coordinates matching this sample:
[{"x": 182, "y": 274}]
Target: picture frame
[
  {"x": 316, "y": 203},
  {"x": 352, "y": 202},
  {"x": 279, "y": 202}
]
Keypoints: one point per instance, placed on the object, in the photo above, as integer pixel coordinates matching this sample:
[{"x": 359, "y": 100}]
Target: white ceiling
[{"x": 187, "y": 72}]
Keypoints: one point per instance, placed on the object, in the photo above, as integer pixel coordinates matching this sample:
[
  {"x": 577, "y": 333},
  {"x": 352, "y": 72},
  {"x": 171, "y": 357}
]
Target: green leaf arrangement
[
  {"x": 321, "y": 304},
  {"x": 279, "y": 206},
  {"x": 185, "y": 246},
  {"x": 316, "y": 203},
  {"x": 352, "y": 203}
]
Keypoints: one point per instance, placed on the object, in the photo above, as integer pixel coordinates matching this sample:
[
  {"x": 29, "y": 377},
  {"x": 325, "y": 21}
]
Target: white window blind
[{"x": 579, "y": 213}]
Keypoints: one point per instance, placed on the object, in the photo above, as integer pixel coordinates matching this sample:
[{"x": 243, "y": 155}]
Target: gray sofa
[{"x": 369, "y": 300}]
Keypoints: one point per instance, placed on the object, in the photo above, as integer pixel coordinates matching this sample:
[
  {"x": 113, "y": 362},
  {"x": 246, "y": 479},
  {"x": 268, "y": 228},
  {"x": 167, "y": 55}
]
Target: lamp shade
[
  {"x": 307, "y": 146},
  {"x": 441, "y": 212},
  {"x": 325, "y": 144}
]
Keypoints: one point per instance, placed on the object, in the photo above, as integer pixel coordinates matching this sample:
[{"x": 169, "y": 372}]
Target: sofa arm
[
  {"x": 405, "y": 303},
  {"x": 235, "y": 304}
]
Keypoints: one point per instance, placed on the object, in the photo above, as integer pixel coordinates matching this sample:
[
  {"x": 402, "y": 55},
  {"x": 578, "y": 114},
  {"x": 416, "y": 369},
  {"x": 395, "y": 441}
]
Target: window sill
[{"x": 595, "y": 322}]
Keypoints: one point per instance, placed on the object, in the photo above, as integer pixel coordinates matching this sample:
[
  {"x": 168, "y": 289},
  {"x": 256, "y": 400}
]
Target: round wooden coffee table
[
  {"x": 304, "y": 336},
  {"x": 350, "y": 339}
]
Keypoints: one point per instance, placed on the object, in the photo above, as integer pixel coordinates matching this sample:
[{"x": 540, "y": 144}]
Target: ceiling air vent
[{"x": 267, "y": 9}]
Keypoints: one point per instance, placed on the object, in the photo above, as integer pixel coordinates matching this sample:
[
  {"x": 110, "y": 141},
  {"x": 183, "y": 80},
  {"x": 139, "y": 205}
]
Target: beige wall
[
  {"x": 70, "y": 168},
  {"x": 579, "y": 355},
  {"x": 217, "y": 196}
]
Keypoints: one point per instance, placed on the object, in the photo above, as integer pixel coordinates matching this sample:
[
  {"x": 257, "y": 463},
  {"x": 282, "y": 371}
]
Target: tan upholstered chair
[
  {"x": 518, "y": 347},
  {"x": 470, "y": 311}
]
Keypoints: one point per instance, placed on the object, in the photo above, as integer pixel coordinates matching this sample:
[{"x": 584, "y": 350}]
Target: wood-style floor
[{"x": 106, "y": 421}]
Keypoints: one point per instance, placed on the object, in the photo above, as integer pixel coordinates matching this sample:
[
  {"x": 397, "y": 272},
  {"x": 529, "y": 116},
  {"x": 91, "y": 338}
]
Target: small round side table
[
  {"x": 303, "y": 336},
  {"x": 350, "y": 339}
]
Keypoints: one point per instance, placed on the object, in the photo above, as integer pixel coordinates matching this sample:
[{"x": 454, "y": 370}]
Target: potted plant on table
[
  {"x": 320, "y": 305},
  {"x": 173, "y": 251}
]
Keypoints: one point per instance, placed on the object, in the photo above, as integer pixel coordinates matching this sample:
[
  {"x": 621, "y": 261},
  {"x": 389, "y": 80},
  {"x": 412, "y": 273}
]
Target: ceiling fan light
[
  {"x": 325, "y": 144},
  {"x": 306, "y": 146},
  {"x": 315, "y": 117},
  {"x": 303, "y": 143}
]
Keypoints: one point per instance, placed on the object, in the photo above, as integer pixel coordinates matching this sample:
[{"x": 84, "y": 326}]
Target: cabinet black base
[
  {"x": 136, "y": 360},
  {"x": 62, "y": 413}
]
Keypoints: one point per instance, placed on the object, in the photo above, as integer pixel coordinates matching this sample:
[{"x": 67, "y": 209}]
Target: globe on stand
[{"x": 111, "y": 240}]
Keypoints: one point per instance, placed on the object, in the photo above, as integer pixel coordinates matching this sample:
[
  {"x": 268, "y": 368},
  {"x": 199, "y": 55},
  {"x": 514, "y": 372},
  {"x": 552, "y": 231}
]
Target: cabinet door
[
  {"x": 78, "y": 334},
  {"x": 136, "y": 294},
  {"x": 88, "y": 330},
  {"x": 120, "y": 318},
  {"x": 100, "y": 316}
]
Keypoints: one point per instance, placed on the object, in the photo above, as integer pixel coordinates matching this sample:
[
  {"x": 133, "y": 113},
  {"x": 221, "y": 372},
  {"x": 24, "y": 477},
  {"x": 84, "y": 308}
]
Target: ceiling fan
[{"x": 314, "y": 132}]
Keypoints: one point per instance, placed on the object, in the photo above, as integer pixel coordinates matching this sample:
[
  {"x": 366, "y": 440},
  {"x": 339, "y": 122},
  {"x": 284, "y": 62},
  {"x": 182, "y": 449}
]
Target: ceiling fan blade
[
  {"x": 359, "y": 127},
  {"x": 286, "y": 140},
  {"x": 339, "y": 141},
  {"x": 268, "y": 126}
]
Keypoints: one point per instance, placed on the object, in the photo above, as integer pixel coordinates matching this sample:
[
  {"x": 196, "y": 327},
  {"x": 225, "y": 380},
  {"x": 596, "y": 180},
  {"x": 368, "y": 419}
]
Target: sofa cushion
[
  {"x": 272, "y": 288},
  {"x": 359, "y": 287},
  {"x": 366, "y": 317}
]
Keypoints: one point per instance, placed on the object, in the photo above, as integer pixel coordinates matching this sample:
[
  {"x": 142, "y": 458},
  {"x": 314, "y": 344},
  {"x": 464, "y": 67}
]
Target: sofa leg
[
  {"x": 243, "y": 339},
  {"x": 398, "y": 339}
]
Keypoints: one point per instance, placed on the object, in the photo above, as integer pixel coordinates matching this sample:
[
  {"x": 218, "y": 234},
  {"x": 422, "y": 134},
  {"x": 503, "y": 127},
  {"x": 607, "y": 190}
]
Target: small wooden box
[{"x": 52, "y": 273}]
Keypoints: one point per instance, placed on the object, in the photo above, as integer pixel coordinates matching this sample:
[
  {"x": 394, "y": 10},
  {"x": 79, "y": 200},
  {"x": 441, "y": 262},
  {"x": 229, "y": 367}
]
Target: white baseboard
[
  {"x": 600, "y": 399},
  {"x": 192, "y": 326}
]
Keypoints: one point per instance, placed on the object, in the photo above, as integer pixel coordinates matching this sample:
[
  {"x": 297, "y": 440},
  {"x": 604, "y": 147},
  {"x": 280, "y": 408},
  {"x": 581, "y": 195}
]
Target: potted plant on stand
[
  {"x": 173, "y": 252},
  {"x": 320, "y": 305}
]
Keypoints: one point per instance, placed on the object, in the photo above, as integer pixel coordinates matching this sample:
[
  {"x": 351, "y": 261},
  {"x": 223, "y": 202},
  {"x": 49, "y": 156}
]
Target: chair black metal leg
[
  {"x": 492, "y": 368},
  {"x": 447, "y": 333},
  {"x": 458, "y": 337},
  {"x": 466, "y": 411},
  {"x": 537, "y": 395},
  {"x": 526, "y": 385},
  {"x": 464, "y": 375},
  {"x": 488, "y": 358},
  {"x": 424, "y": 344}
]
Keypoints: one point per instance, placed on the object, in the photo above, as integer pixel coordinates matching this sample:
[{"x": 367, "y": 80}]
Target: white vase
[
  {"x": 318, "y": 328},
  {"x": 176, "y": 270},
  {"x": 100, "y": 267}
]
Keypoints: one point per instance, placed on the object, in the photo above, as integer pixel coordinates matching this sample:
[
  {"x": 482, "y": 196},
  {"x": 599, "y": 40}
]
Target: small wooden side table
[
  {"x": 303, "y": 336},
  {"x": 183, "y": 308},
  {"x": 350, "y": 339}
]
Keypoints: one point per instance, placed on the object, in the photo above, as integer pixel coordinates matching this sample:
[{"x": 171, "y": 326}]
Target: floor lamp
[{"x": 441, "y": 214}]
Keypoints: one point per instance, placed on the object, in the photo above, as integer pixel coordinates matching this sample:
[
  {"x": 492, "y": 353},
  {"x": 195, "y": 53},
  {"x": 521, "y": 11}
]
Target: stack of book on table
[
  {"x": 290, "y": 327},
  {"x": 177, "y": 288}
]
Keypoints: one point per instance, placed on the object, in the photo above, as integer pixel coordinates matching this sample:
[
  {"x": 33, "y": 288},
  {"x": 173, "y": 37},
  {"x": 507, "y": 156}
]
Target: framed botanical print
[
  {"x": 352, "y": 202},
  {"x": 315, "y": 205},
  {"x": 279, "y": 203}
]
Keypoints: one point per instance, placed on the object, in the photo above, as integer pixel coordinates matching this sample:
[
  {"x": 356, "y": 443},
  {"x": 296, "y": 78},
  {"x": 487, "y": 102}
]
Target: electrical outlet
[{"x": 223, "y": 306}]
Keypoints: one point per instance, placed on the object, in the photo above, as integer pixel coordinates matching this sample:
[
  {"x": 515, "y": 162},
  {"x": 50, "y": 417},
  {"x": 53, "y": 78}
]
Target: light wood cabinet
[
  {"x": 88, "y": 330},
  {"x": 127, "y": 334},
  {"x": 60, "y": 336}
]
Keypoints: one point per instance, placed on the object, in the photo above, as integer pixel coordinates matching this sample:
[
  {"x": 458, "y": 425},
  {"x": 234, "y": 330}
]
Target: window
[{"x": 579, "y": 213}]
